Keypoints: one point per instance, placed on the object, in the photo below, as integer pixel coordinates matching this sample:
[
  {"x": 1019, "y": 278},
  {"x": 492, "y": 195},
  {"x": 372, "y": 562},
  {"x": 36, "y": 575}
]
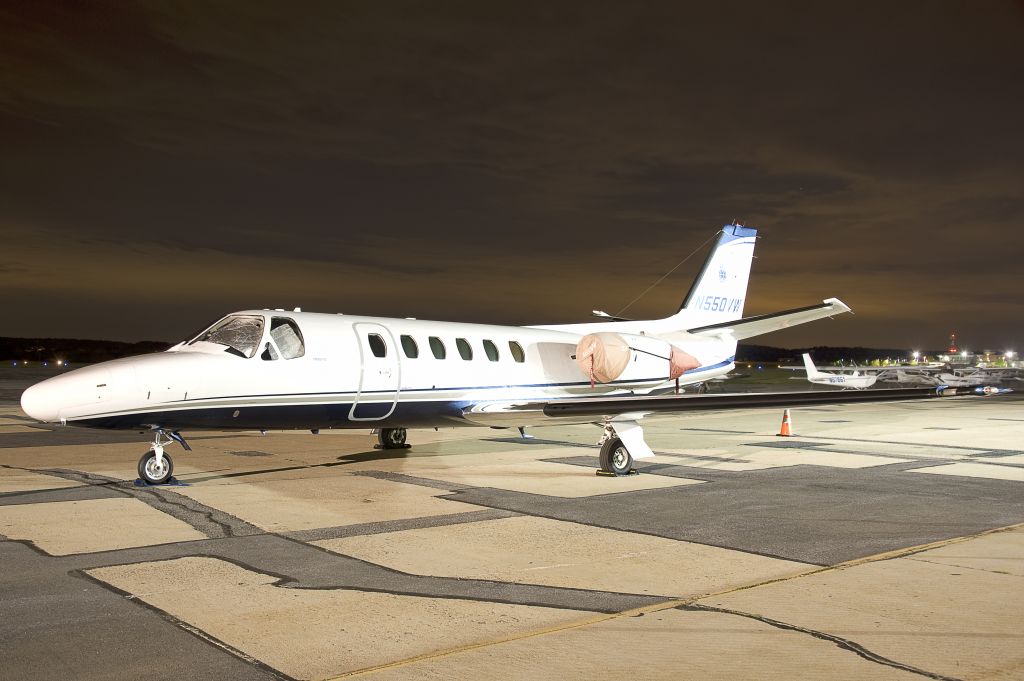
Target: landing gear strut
[
  {"x": 392, "y": 438},
  {"x": 156, "y": 466}
]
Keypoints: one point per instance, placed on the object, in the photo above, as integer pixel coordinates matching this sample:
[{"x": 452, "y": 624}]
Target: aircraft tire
[
  {"x": 615, "y": 458},
  {"x": 391, "y": 438},
  {"x": 150, "y": 473}
]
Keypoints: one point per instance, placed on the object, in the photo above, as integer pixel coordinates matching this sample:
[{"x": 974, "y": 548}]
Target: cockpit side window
[
  {"x": 240, "y": 333},
  {"x": 287, "y": 337}
]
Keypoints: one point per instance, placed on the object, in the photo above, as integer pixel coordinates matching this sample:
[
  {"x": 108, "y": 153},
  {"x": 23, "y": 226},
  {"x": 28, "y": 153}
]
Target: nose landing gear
[{"x": 155, "y": 466}]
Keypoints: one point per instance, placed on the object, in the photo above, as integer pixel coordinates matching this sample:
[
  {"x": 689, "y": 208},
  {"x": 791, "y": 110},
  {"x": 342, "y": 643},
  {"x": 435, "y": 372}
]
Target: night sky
[{"x": 164, "y": 163}]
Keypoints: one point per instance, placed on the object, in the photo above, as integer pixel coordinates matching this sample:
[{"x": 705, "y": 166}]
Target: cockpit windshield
[{"x": 240, "y": 333}]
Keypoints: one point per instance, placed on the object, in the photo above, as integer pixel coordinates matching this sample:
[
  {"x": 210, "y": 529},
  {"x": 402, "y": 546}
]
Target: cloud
[{"x": 503, "y": 152}]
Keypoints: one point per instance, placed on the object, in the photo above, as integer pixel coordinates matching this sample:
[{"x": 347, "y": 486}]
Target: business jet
[
  {"x": 278, "y": 369},
  {"x": 856, "y": 380}
]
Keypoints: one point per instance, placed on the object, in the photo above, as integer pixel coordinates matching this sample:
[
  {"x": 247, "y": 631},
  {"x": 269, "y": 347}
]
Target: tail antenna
[{"x": 666, "y": 275}]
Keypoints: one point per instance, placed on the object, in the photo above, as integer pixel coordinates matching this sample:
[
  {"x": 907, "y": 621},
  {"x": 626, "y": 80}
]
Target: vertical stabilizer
[
  {"x": 812, "y": 371},
  {"x": 720, "y": 290}
]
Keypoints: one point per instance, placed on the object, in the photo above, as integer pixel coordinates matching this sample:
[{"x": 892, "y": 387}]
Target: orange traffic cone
[{"x": 787, "y": 425}]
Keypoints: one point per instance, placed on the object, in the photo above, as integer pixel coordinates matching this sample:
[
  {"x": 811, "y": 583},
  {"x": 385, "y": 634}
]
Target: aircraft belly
[{"x": 313, "y": 415}]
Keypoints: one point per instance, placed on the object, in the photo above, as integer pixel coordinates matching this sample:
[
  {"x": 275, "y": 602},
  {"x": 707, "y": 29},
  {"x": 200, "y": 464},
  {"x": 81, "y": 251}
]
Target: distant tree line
[
  {"x": 821, "y": 354},
  {"x": 74, "y": 350}
]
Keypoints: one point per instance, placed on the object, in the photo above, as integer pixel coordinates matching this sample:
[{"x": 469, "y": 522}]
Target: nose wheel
[
  {"x": 156, "y": 466},
  {"x": 155, "y": 470}
]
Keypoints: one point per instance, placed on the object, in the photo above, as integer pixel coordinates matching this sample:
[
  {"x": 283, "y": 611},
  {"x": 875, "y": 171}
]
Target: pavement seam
[
  {"x": 183, "y": 508},
  {"x": 921, "y": 548},
  {"x": 961, "y": 567},
  {"x": 920, "y": 444},
  {"x": 981, "y": 463},
  {"x": 414, "y": 585},
  {"x": 414, "y": 480},
  {"x": 844, "y": 643},
  {"x": 293, "y": 583},
  {"x": 678, "y": 604},
  {"x": 400, "y": 525},
  {"x": 281, "y": 582},
  {"x": 185, "y": 626},
  {"x": 455, "y": 496}
]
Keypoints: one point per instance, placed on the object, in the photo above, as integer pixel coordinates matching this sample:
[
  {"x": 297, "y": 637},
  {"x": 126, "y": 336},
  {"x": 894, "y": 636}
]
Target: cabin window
[
  {"x": 412, "y": 351},
  {"x": 517, "y": 351},
  {"x": 287, "y": 337},
  {"x": 464, "y": 348},
  {"x": 491, "y": 350},
  {"x": 377, "y": 345},
  {"x": 437, "y": 347},
  {"x": 240, "y": 334}
]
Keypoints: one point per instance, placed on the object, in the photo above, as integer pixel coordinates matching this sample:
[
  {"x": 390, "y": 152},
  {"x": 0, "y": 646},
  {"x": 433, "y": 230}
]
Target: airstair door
[{"x": 380, "y": 375}]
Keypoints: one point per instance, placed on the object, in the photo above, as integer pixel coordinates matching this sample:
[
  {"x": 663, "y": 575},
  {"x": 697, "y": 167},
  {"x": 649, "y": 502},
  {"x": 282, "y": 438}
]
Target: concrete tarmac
[{"x": 882, "y": 542}]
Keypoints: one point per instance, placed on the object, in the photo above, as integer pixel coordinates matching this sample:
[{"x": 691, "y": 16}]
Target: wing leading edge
[{"x": 583, "y": 410}]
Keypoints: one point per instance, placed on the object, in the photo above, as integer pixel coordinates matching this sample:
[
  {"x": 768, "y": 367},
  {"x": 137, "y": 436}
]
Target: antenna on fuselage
[{"x": 604, "y": 315}]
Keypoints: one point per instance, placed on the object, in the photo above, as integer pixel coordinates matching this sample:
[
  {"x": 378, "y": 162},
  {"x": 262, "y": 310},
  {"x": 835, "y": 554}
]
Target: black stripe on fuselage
[{"x": 288, "y": 417}]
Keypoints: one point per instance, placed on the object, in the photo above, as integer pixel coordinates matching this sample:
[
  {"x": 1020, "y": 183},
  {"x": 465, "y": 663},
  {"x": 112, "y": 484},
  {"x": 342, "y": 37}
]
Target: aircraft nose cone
[{"x": 39, "y": 402}]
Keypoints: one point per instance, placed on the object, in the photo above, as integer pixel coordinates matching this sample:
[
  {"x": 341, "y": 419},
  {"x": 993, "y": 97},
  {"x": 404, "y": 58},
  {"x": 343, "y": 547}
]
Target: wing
[
  {"x": 635, "y": 407},
  {"x": 765, "y": 323}
]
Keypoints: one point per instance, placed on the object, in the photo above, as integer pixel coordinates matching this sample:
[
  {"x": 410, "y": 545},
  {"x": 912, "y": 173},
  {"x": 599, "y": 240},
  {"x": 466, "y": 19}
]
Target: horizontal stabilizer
[{"x": 765, "y": 323}]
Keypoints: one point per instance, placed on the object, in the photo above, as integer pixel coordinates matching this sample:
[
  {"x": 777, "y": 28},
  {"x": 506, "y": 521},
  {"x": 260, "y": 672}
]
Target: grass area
[{"x": 769, "y": 376}]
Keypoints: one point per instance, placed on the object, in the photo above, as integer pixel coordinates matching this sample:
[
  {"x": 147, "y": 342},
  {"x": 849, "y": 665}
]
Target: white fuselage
[
  {"x": 842, "y": 381},
  {"x": 339, "y": 381}
]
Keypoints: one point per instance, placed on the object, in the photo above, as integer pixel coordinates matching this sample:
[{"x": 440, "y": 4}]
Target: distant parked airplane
[{"x": 855, "y": 380}]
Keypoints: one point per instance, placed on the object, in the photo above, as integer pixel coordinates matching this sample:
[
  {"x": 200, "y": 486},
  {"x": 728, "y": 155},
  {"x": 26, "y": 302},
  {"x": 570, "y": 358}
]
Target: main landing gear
[
  {"x": 392, "y": 438},
  {"x": 156, "y": 467},
  {"x": 615, "y": 458}
]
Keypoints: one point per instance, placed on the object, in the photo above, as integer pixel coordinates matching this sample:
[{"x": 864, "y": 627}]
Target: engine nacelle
[{"x": 608, "y": 357}]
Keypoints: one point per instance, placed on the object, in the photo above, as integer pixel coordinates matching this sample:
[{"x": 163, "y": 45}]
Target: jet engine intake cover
[{"x": 603, "y": 356}]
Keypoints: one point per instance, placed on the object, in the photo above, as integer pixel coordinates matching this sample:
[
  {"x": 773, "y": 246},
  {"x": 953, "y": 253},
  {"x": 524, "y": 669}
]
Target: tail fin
[
  {"x": 812, "y": 371},
  {"x": 719, "y": 291}
]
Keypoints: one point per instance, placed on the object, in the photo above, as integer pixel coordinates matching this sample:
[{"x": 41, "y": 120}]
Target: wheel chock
[
  {"x": 173, "y": 482},
  {"x": 609, "y": 474}
]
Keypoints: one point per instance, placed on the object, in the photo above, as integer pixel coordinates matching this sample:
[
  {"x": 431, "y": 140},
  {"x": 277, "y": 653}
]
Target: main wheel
[
  {"x": 153, "y": 473},
  {"x": 615, "y": 458},
  {"x": 391, "y": 438}
]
